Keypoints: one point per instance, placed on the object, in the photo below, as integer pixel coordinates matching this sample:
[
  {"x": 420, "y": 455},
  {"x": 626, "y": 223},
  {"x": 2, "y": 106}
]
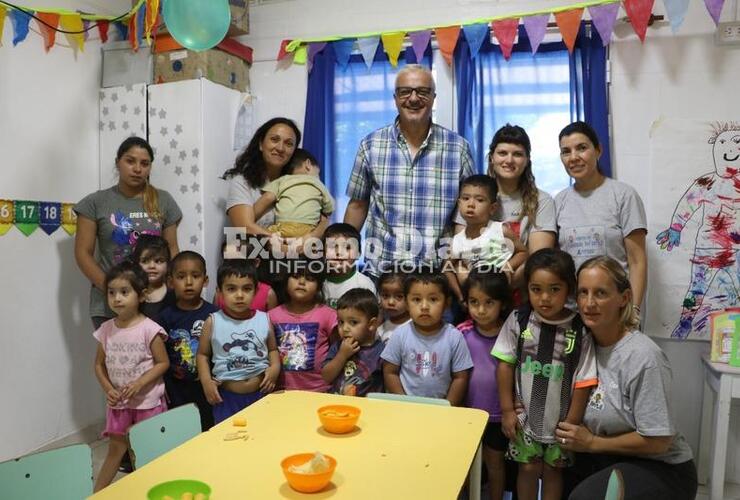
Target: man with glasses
[{"x": 405, "y": 180}]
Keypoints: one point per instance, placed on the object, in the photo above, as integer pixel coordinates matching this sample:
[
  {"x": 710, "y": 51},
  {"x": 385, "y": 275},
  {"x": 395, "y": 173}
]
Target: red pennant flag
[
  {"x": 639, "y": 12},
  {"x": 505, "y": 31},
  {"x": 103, "y": 30},
  {"x": 447, "y": 39},
  {"x": 283, "y": 52},
  {"x": 568, "y": 22},
  {"x": 48, "y": 27},
  {"x": 132, "y": 38}
]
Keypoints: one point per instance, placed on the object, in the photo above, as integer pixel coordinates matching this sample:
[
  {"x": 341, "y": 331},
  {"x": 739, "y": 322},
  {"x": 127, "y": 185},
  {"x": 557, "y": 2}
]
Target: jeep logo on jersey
[{"x": 551, "y": 371}]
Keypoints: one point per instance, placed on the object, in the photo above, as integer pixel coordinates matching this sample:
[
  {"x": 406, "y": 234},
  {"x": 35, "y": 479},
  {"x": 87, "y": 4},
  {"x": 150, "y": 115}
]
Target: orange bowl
[
  {"x": 339, "y": 419},
  {"x": 307, "y": 483}
]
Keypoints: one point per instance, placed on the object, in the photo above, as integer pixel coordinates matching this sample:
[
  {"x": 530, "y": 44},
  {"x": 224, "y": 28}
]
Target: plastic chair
[
  {"x": 408, "y": 399},
  {"x": 158, "y": 435},
  {"x": 63, "y": 474},
  {"x": 615, "y": 487}
]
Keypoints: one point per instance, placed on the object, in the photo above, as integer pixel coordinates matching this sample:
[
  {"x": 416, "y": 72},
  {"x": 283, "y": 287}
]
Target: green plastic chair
[
  {"x": 408, "y": 399},
  {"x": 156, "y": 436},
  {"x": 615, "y": 487},
  {"x": 63, "y": 474}
]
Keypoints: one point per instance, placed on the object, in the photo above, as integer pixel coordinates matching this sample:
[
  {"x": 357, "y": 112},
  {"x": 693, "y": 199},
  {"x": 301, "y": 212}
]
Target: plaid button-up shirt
[{"x": 411, "y": 201}]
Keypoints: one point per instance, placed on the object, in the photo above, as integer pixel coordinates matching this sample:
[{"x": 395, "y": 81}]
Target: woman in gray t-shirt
[
  {"x": 598, "y": 215},
  {"x": 628, "y": 424},
  {"x": 111, "y": 220}
]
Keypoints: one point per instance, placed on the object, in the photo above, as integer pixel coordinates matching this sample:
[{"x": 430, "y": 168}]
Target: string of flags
[
  {"x": 134, "y": 26},
  {"x": 603, "y": 14},
  {"x": 28, "y": 216}
]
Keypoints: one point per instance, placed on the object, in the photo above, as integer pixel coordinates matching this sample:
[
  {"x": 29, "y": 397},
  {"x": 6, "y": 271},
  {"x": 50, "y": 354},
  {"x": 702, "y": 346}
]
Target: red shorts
[{"x": 118, "y": 421}]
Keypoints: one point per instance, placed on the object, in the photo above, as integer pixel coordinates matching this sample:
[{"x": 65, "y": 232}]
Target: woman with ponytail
[{"x": 113, "y": 219}]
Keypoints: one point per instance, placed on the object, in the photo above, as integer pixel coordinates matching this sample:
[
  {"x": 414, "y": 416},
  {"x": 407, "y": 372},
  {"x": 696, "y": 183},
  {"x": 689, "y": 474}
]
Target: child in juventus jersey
[{"x": 549, "y": 365}]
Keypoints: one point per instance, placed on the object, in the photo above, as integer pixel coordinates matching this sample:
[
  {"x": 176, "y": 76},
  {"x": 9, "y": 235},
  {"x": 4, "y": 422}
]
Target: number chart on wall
[{"x": 27, "y": 216}]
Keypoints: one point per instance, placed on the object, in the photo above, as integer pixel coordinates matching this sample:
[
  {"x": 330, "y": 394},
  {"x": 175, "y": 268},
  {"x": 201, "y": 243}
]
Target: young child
[
  {"x": 393, "y": 303},
  {"x": 353, "y": 363},
  {"x": 342, "y": 248},
  {"x": 299, "y": 198},
  {"x": 488, "y": 299},
  {"x": 549, "y": 365},
  {"x": 264, "y": 297},
  {"x": 483, "y": 243},
  {"x": 303, "y": 326},
  {"x": 183, "y": 323},
  {"x": 132, "y": 382},
  {"x": 427, "y": 357},
  {"x": 153, "y": 255},
  {"x": 240, "y": 343}
]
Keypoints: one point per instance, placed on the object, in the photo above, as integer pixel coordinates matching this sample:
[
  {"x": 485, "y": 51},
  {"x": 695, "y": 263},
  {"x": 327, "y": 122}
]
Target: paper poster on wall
[{"x": 694, "y": 236}]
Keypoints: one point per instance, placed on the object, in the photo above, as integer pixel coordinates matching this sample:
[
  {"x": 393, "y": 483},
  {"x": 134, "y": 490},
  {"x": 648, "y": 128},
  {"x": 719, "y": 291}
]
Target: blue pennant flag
[
  {"x": 475, "y": 34},
  {"x": 20, "y": 25},
  {"x": 343, "y": 51}
]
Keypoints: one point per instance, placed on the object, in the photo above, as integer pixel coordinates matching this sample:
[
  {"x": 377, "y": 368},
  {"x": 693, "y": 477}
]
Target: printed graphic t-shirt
[
  {"x": 303, "y": 343},
  {"x": 183, "y": 336},
  {"x": 362, "y": 373}
]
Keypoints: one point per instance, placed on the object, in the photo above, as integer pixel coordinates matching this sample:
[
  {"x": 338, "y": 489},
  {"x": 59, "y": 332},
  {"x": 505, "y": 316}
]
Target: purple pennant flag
[
  {"x": 715, "y": 8},
  {"x": 343, "y": 51},
  {"x": 475, "y": 34},
  {"x": 20, "y": 25},
  {"x": 313, "y": 49},
  {"x": 368, "y": 46},
  {"x": 676, "y": 10},
  {"x": 603, "y": 17},
  {"x": 420, "y": 42},
  {"x": 536, "y": 27},
  {"x": 85, "y": 26}
]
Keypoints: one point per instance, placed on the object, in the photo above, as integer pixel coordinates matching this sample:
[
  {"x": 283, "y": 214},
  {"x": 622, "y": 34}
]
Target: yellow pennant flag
[
  {"x": 69, "y": 218},
  {"x": 2, "y": 23},
  {"x": 73, "y": 22},
  {"x": 7, "y": 214},
  {"x": 392, "y": 44},
  {"x": 300, "y": 55}
]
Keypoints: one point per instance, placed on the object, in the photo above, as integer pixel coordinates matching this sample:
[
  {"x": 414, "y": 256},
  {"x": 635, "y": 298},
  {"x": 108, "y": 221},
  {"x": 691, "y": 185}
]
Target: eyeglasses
[{"x": 421, "y": 92}]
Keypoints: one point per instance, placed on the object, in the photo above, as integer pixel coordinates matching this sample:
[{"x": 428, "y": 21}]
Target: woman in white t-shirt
[{"x": 599, "y": 216}]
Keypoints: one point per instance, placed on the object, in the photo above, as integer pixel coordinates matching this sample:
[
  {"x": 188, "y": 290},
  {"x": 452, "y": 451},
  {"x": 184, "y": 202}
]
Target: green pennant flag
[{"x": 26, "y": 216}]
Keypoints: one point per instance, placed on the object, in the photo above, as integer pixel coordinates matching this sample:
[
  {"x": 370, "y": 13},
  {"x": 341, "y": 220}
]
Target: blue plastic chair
[
  {"x": 157, "y": 435},
  {"x": 408, "y": 399},
  {"x": 63, "y": 474}
]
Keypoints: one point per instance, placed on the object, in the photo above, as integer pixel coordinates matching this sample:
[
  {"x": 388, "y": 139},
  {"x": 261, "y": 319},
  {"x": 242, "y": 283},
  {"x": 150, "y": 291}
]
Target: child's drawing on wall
[{"x": 713, "y": 201}]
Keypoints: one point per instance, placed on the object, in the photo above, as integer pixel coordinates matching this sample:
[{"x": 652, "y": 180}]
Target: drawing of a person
[{"x": 716, "y": 196}]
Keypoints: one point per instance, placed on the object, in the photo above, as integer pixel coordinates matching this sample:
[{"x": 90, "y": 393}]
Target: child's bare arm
[
  {"x": 392, "y": 378},
  {"x": 520, "y": 251},
  {"x": 203, "y": 363},
  {"x": 505, "y": 379},
  {"x": 273, "y": 371},
  {"x": 452, "y": 278},
  {"x": 333, "y": 368},
  {"x": 578, "y": 405},
  {"x": 161, "y": 364},
  {"x": 112, "y": 395},
  {"x": 263, "y": 204},
  {"x": 458, "y": 387}
]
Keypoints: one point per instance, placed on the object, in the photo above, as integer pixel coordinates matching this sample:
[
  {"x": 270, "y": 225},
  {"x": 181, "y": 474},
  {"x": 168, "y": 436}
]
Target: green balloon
[{"x": 197, "y": 24}]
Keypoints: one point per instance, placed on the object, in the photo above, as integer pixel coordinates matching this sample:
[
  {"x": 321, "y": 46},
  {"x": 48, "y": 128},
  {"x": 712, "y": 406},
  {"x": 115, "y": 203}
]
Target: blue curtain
[
  {"x": 343, "y": 105},
  {"x": 542, "y": 93}
]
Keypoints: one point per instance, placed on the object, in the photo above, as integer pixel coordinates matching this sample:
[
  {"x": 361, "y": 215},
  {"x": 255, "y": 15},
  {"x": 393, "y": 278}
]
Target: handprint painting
[{"x": 712, "y": 202}]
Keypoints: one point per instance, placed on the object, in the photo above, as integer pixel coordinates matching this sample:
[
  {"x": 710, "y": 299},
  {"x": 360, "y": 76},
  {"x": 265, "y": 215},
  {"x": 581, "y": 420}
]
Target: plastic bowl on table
[
  {"x": 307, "y": 483},
  {"x": 339, "y": 419},
  {"x": 177, "y": 488}
]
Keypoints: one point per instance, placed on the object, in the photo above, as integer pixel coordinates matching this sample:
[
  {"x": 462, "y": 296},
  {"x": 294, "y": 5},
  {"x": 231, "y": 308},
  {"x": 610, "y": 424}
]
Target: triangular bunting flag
[
  {"x": 447, "y": 40},
  {"x": 69, "y": 218},
  {"x": 343, "y": 51},
  {"x": 368, "y": 46},
  {"x": 140, "y": 24},
  {"x": 2, "y": 23},
  {"x": 122, "y": 29},
  {"x": 103, "y": 30},
  {"x": 715, "y": 9},
  {"x": 283, "y": 50},
  {"x": 86, "y": 29},
  {"x": 50, "y": 216},
  {"x": 73, "y": 22},
  {"x": 505, "y": 31},
  {"x": 48, "y": 23},
  {"x": 536, "y": 26},
  {"x": 152, "y": 10},
  {"x": 392, "y": 44},
  {"x": 676, "y": 10},
  {"x": 300, "y": 54},
  {"x": 568, "y": 22},
  {"x": 639, "y": 13},
  {"x": 603, "y": 18},
  {"x": 313, "y": 49},
  {"x": 19, "y": 19},
  {"x": 26, "y": 216},
  {"x": 475, "y": 34},
  {"x": 6, "y": 216},
  {"x": 419, "y": 42}
]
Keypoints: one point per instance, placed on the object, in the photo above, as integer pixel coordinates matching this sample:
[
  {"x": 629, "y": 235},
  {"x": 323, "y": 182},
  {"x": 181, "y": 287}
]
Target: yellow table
[{"x": 401, "y": 450}]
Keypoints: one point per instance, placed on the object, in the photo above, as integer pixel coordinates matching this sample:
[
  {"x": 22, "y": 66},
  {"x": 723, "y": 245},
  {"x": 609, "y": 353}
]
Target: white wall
[
  {"x": 683, "y": 75},
  {"x": 49, "y": 145}
]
